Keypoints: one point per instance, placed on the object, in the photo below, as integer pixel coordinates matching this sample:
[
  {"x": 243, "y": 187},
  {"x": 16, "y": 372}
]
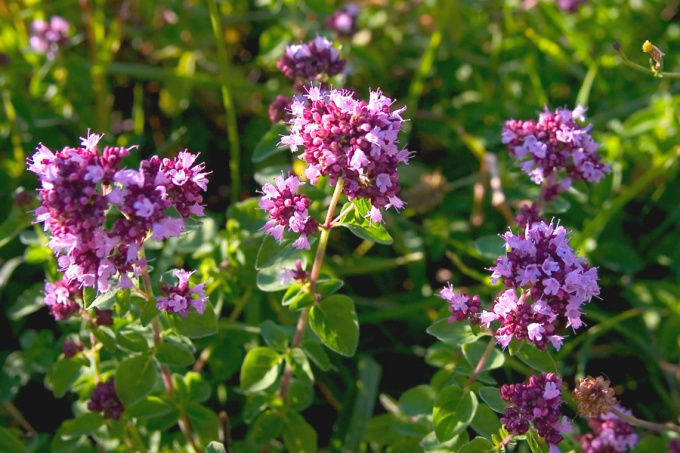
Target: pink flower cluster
[
  {"x": 60, "y": 298},
  {"x": 462, "y": 306},
  {"x": 553, "y": 281},
  {"x": 78, "y": 188},
  {"x": 555, "y": 150},
  {"x": 178, "y": 298},
  {"x": 288, "y": 209},
  {"x": 344, "y": 21},
  {"x": 610, "y": 434},
  {"x": 105, "y": 399},
  {"x": 537, "y": 402},
  {"x": 315, "y": 60},
  {"x": 350, "y": 139},
  {"x": 47, "y": 37}
]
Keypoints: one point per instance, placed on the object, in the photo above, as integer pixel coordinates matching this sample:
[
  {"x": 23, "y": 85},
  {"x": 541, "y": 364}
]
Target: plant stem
[
  {"x": 630, "y": 63},
  {"x": 19, "y": 417},
  {"x": 232, "y": 125},
  {"x": 313, "y": 277},
  {"x": 482, "y": 361},
  {"x": 643, "y": 423}
]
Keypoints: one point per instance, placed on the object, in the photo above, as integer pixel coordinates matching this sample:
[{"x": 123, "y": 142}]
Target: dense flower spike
[
  {"x": 351, "y": 139},
  {"x": 288, "y": 209},
  {"x": 60, "y": 298},
  {"x": 594, "y": 396},
  {"x": 344, "y": 21},
  {"x": 537, "y": 402},
  {"x": 610, "y": 434},
  {"x": 313, "y": 61},
  {"x": 47, "y": 37},
  {"x": 105, "y": 399},
  {"x": 178, "y": 298},
  {"x": 553, "y": 282},
  {"x": 555, "y": 150},
  {"x": 461, "y": 306},
  {"x": 78, "y": 187}
]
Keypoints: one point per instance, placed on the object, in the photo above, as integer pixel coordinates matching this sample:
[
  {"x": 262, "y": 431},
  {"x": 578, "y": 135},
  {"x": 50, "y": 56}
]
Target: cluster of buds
[
  {"x": 462, "y": 306},
  {"x": 178, "y": 298},
  {"x": 316, "y": 60},
  {"x": 537, "y": 402},
  {"x": 48, "y": 37},
  {"x": 79, "y": 186},
  {"x": 555, "y": 150},
  {"x": 105, "y": 399},
  {"x": 553, "y": 284}
]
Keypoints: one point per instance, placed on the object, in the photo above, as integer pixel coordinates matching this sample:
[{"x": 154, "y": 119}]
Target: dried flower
[
  {"x": 594, "y": 396},
  {"x": 353, "y": 140},
  {"x": 105, "y": 399},
  {"x": 555, "y": 150},
  {"x": 655, "y": 54},
  {"x": 610, "y": 434},
  {"x": 178, "y": 298}
]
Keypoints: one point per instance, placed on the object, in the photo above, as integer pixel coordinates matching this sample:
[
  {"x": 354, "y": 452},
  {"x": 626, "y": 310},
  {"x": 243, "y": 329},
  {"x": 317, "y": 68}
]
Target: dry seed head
[{"x": 594, "y": 396}]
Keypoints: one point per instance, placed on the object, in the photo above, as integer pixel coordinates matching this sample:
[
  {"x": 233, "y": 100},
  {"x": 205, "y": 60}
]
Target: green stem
[
  {"x": 637, "y": 67},
  {"x": 19, "y": 157},
  {"x": 482, "y": 361},
  {"x": 95, "y": 31},
  {"x": 232, "y": 125},
  {"x": 643, "y": 423},
  {"x": 19, "y": 417},
  {"x": 314, "y": 276}
]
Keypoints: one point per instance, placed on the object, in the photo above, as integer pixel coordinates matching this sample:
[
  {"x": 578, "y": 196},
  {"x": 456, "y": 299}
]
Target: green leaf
[
  {"x": 10, "y": 228},
  {"x": 335, "y": 322},
  {"x": 300, "y": 395},
  {"x": 107, "y": 338},
  {"x": 198, "y": 388},
  {"x": 477, "y": 445},
  {"x": 30, "y": 301},
  {"x": 273, "y": 252},
  {"x": 485, "y": 422},
  {"x": 89, "y": 295},
  {"x": 300, "y": 365},
  {"x": 103, "y": 300},
  {"x": 455, "y": 334},
  {"x": 473, "y": 352},
  {"x": 266, "y": 427},
  {"x": 492, "y": 397},
  {"x": 268, "y": 145},
  {"x": 275, "y": 337},
  {"x": 63, "y": 374},
  {"x": 490, "y": 247},
  {"x": 151, "y": 406},
  {"x": 317, "y": 353},
  {"x": 535, "y": 444},
  {"x": 215, "y": 447},
  {"x": 538, "y": 359},
  {"x": 298, "y": 435},
  {"x": 358, "y": 223},
  {"x": 454, "y": 409},
  {"x": 174, "y": 352},
  {"x": 203, "y": 421},
  {"x": 328, "y": 286},
  {"x": 260, "y": 369},
  {"x": 430, "y": 444},
  {"x": 298, "y": 297},
  {"x": 8, "y": 268},
  {"x": 197, "y": 325},
  {"x": 82, "y": 425},
  {"x": 269, "y": 278},
  {"x": 136, "y": 378},
  {"x": 10, "y": 444},
  {"x": 418, "y": 400},
  {"x": 148, "y": 311},
  {"x": 132, "y": 341}
]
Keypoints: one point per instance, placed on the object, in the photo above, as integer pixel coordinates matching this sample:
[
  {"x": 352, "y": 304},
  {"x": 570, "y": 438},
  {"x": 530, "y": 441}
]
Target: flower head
[
  {"x": 344, "y": 21},
  {"x": 610, "y": 434},
  {"x": 60, "y": 297},
  {"x": 178, "y": 298},
  {"x": 537, "y": 403},
  {"x": 461, "y": 306},
  {"x": 47, "y": 37},
  {"x": 315, "y": 60},
  {"x": 594, "y": 396},
  {"x": 555, "y": 150},
  {"x": 71, "y": 348},
  {"x": 554, "y": 284},
  {"x": 105, "y": 399},
  {"x": 655, "y": 54},
  {"x": 350, "y": 139}
]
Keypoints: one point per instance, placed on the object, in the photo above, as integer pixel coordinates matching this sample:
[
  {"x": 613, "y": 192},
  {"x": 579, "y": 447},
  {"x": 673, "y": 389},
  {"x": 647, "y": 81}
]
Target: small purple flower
[
  {"x": 461, "y": 306},
  {"x": 71, "y": 348},
  {"x": 104, "y": 317},
  {"x": 537, "y": 403},
  {"x": 298, "y": 274},
  {"x": 288, "y": 209},
  {"x": 610, "y": 434},
  {"x": 313, "y": 61},
  {"x": 553, "y": 282},
  {"x": 60, "y": 298},
  {"x": 674, "y": 446},
  {"x": 47, "y": 37},
  {"x": 105, "y": 399},
  {"x": 570, "y": 5},
  {"x": 178, "y": 298},
  {"x": 279, "y": 108},
  {"x": 344, "y": 21},
  {"x": 351, "y": 139},
  {"x": 555, "y": 150}
]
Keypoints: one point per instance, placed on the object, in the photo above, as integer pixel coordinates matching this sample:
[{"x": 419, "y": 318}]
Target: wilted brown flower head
[{"x": 594, "y": 396}]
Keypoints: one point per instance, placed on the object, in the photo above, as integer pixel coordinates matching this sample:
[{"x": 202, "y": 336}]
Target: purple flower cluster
[
  {"x": 313, "y": 61},
  {"x": 570, "y": 5},
  {"x": 674, "y": 446},
  {"x": 79, "y": 186},
  {"x": 461, "y": 306},
  {"x": 47, "y": 37},
  {"x": 71, "y": 348},
  {"x": 555, "y": 150},
  {"x": 610, "y": 434},
  {"x": 537, "y": 402},
  {"x": 60, "y": 298},
  {"x": 553, "y": 281},
  {"x": 344, "y": 21},
  {"x": 298, "y": 274},
  {"x": 288, "y": 209},
  {"x": 105, "y": 399},
  {"x": 178, "y": 298},
  {"x": 351, "y": 139}
]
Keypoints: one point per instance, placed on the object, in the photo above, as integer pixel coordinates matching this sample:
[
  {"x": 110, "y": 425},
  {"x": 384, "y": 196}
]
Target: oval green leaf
[
  {"x": 454, "y": 409},
  {"x": 260, "y": 369},
  {"x": 335, "y": 322},
  {"x": 455, "y": 334},
  {"x": 136, "y": 378}
]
